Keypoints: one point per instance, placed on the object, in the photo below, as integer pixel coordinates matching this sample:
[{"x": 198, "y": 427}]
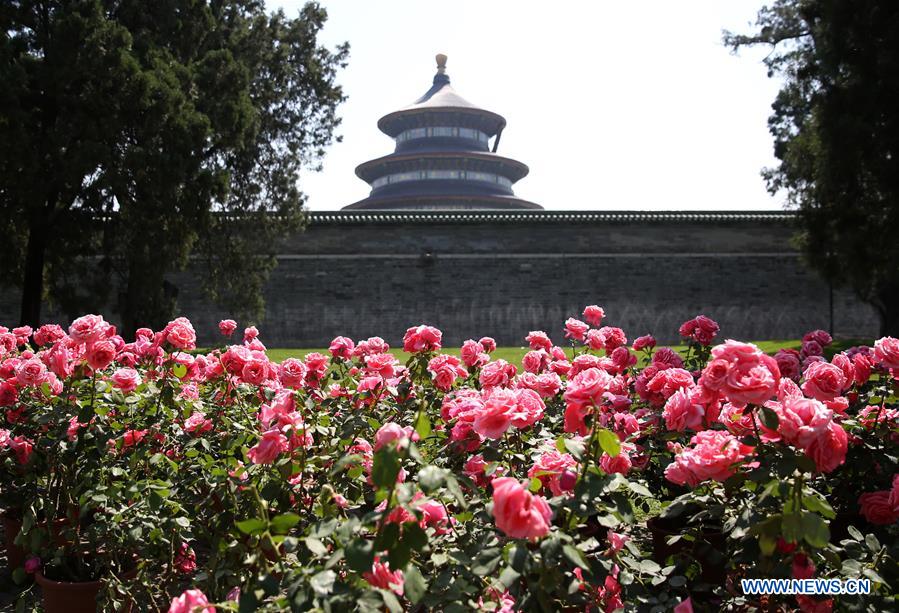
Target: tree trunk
[{"x": 33, "y": 281}]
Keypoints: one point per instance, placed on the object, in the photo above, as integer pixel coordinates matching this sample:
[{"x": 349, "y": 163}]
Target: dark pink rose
[{"x": 518, "y": 513}]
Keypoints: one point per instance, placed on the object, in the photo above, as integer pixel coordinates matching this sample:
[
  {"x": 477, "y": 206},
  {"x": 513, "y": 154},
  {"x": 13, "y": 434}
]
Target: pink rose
[
  {"x": 811, "y": 349},
  {"x": 197, "y": 423},
  {"x": 191, "y": 601},
  {"x": 255, "y": 371},
  {"x": 742, "y": 372},
  {"x": 667, "y": 358},
  {"x": 575, "y": 329},
  {"x": 819, "y": 336},
  {"x": 180, "y": 334},
  {"x": 535, "y": 361},
  {"x": 381, "y": 576},
  {"x": 422, "y": 338},
  {"x": 538, "y": 339},
  {"x": 250, "y": 334},
  {"x": 683, "y": 410},
  {"x": 87, "y": 329},
  {"x": 594, "y": 314},
  {"x": 789, "y": 363},
  {"x": 31, "y": 372},
  {"x": 473, "y": 354},
  {"x": 185, "y": 559},
  {"x": 616, "y": 541},
  {"x": 802, "y": 420},
  {"x": 292, "y": 373},
  {"x": 342, "y": 347},
  {"x": 550, "y": 467},
  {"x": 445, "y": 369},
  {"x": 823, "y": 381},
  {"x": 227, "y": 327},
  {"x": 701, "y": 329},
  {"x": 22, "y": 447},
  {"x": 383, "y": 364},
  {"x": 518, "y": 513},
  {"x": 668, "y": 381},
  {"x": 620, "y": 463},
  {"x": 714, "y": 455},
  {"x": 392, "y": 432},
  {"x": 828, "y": 450},
  {"x": 268, "y": 448},
  {"x": 8, "y": 393},
  {"x": 495, "y": 418},
  {"x": 126, "y": 379},
  {"x": 611, "y": 338},
  {"x": 587, "y": 387},
  {"x": 877, "y": 509},
  {"x": 644, "y": 342},
  {"x": 32, "y": 564},
  {"x": 886, "y": 352},
  {"x": 488, "y": 344},
  {"x": 101, "y": 354},
  {"x": 529, "y": 408},
  {"x": 48, "y": 334},
  {"x": 497, "y": 374},
  {"x": 861, "y": 365}
]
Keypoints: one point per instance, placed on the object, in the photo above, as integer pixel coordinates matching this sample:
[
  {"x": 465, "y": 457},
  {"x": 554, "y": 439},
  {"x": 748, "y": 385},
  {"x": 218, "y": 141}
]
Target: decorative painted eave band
[{"x": 522, "y": 217}]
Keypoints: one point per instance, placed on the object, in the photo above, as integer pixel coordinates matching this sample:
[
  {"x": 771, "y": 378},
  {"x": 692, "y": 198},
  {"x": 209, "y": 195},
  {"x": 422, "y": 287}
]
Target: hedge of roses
[{"x": 601, "y": 476}]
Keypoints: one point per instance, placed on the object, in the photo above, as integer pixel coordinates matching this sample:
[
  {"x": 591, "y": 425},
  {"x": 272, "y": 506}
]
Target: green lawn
[{"x": 514, "y": 354}]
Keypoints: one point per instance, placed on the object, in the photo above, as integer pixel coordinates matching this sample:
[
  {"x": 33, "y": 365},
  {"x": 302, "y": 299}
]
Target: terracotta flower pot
[
  {"x": 15, "y": 555},
  {"x": 702, "y": 549},
  {"x": 72, "y": 597}
]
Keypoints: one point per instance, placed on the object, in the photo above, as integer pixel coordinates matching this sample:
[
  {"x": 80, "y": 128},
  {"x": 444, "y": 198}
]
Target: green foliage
[
  {"x": 146, "y": 133},
  {"x": 836, "y": 131}
]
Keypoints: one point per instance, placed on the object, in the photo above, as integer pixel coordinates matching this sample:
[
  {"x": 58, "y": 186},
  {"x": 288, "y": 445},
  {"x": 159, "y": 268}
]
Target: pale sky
[{"x": 613, "y": 105}]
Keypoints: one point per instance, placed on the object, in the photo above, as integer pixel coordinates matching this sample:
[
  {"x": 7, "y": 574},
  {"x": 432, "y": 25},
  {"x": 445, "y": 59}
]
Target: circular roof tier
[
  {"x": 434, "y": 160},
  {"x": 444, "y": 203},
  {"x": 443, "y": 158}
]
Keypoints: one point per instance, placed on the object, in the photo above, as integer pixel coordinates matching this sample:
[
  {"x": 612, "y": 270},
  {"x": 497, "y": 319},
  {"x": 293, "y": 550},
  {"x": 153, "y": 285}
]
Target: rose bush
[{"x": 596, "y": 477}]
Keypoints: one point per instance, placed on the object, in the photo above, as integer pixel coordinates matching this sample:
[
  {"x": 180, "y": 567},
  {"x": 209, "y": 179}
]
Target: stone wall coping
[{"x": 327, "y": 218}]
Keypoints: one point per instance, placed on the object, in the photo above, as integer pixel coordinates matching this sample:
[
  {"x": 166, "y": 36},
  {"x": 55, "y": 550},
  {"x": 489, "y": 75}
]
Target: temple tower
[{"x": 444, "y": 158}]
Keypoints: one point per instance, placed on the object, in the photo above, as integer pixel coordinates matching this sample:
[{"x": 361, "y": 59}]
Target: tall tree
[
  {"x": 135, "y": 136},
  {"x": 836, "y": 134}
]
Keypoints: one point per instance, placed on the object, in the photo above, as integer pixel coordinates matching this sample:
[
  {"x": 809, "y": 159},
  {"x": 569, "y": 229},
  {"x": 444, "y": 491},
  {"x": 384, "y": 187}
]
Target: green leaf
[
  {"x": 575, "y": 448},
  {"x": 414, "y": 584},
  {"x": 423, "y": 425},
  {"x": 769, "y": 418},
  {"x": 818, "y": 505},
  {"x": 574, "y": 556},
  {"x": 323, "y": 582},
  {"x": 609, "y": 442},
  {"x": 391, "y": 601},
  {"x": 767, "y": 544},
  {"x": 315, "y": 546},
  {"x": 509, "y": 576},
  {"x": 639, "y": 488},
  {"x": 281, "y": 524},
  {"x": 360, "y": 555},
  {"x": 415, "y": 536},
  {"x": 560, "y": 444},
  {"x": 791, "y": 527},
  {"x": 385, "y": 468},
  {"x": 815, "y": 530},
  {"x": 251, "y": 526}
]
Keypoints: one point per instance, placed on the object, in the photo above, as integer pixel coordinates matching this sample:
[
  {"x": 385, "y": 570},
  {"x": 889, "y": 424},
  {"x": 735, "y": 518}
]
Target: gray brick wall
[{"x": 506, "y": 278}]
